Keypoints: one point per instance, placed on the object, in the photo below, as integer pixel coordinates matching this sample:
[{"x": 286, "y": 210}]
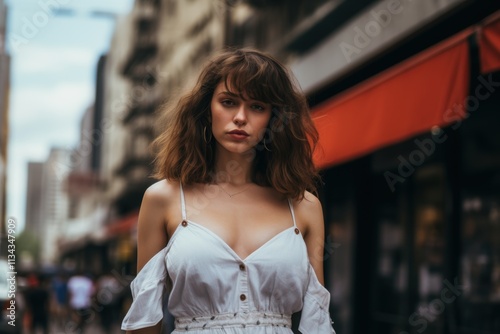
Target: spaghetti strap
[
  {"x": 291, "y": 210},
  {"x": 183, "y": 203}
]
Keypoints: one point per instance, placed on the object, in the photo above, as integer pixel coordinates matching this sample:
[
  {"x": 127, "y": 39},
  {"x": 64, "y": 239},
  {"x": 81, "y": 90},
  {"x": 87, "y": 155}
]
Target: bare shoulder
[
  {"x": 157, "y": 204},
  {"x": 309, "y": 212},
  {"x": 162, "y": 191},
  {"x": 310, "y": 201},
  {"x": 152, "y": 222}
]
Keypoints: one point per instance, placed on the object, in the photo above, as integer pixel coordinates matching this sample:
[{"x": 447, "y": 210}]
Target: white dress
[{"x": 213, "y": 291}]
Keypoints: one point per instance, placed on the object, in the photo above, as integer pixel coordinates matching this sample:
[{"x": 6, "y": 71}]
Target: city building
[
  {"x": 65, "y": 207},
  {"x": 33, "y": 217},
  {"x": 116, "y": 92},
  {"x": 54, "y": 203},
  {"x": 81, "y": 241},
  {"x": 404, "y": 95},
  {"x": 118, "y": 99}
]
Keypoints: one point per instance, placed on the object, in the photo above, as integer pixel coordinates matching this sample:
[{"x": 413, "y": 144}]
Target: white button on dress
[{"x": 213, "y": 291}]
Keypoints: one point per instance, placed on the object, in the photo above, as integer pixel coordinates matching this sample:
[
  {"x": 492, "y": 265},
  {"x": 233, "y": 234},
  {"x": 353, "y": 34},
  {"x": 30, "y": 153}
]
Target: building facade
[
  {"x": 33, "y": 198},
  {"x": 117, "y": 99},
  {"x": 54, "y": 203},
  {"x": 81, "y": 241}
]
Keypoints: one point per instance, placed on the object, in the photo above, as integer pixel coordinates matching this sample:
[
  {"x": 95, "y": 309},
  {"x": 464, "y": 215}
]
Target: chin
[
  {"x": 237, "y": 148},
  {"x": 241, "y": 150}
]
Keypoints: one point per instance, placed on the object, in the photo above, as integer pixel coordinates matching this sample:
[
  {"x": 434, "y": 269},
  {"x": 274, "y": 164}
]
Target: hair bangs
[{"x": 254, "y": 79}]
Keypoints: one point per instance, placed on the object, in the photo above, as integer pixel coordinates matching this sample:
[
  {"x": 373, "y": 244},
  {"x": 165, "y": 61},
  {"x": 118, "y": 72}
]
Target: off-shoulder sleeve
[
  {"x": 315, "y": 318},
  {"x": 147, "y": 293}
]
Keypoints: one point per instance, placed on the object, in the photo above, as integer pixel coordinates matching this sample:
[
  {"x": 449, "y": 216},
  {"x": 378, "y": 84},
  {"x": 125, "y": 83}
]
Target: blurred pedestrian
[
  {"x": 60, "y": 297},
  {"x": 37, "y": 297},
  {"x": 236, "y": 156},
  {"x": 80, "y": 292},
  {"x": 108, "y": 295}
]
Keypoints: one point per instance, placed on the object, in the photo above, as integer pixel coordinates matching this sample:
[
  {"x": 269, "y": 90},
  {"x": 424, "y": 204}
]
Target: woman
[{"x": 232, "y": 230}]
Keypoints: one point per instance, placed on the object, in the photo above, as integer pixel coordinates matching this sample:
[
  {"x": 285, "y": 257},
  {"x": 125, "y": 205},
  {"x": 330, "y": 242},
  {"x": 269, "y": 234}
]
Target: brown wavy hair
[{"x": 284, "y": 163}]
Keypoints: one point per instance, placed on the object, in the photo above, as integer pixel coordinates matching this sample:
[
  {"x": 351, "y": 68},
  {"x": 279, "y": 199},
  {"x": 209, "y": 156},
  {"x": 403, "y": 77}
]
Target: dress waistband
[{"x": 237, "y": 319}]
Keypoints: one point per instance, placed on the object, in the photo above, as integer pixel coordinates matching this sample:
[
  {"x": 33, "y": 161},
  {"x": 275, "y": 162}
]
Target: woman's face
[{"x": 237, "y": 124}]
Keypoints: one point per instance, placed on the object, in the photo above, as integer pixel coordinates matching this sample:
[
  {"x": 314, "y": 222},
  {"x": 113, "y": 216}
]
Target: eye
[
  {"x": 258, "y": 107},
  {"x": 227, "y": 103}
]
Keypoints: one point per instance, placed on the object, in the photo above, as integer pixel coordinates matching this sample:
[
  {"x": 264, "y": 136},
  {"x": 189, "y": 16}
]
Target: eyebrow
[
  {"x": 240, "y": 97},
  {"x": 228, "y": 93}
]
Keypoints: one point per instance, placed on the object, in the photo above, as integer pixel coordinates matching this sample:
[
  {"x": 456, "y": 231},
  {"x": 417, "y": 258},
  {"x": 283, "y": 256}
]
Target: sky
[{"x": 53, "y": 64}]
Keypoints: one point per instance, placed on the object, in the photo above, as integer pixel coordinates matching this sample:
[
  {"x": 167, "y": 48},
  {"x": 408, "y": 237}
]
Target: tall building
[
  {"x": 54, "y": 203},
  {"x": 4, "y": 115},
  {"x": 404, "y": 95},
  {"x": 189, "y": 33},
  {"x": 80, "y": 238},
  {"x": 81, "y": 242},
  {"x": 34, "y": 198},
  {"x": 136, "y": 118},
  {"x": 117, "y": 98}
]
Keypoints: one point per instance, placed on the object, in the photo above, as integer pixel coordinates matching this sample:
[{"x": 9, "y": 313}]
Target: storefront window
[
  {"x": 390, "y": 278},
  {"x": 429, "y": 249},
  {"x": 339, "y": 214},
  {"x": 480, "y": 261},
  {"x": 410, "y": 243},
  {"x": 338, "y": 252},
  {"x": 479, "y": 277}
]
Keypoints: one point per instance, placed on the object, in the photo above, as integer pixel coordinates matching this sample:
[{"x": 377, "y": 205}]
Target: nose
[{"x": 240, "y": 118}]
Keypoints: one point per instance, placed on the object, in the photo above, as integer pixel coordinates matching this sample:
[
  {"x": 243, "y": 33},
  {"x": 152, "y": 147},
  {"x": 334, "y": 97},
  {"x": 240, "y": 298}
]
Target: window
[{"x": 479, "y": 277}]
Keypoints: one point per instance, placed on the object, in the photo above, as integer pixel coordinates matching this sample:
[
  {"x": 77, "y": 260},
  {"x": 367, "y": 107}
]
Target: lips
[
  {"x": 238, "y": 135},
  {"x": 238, "y": 132}
]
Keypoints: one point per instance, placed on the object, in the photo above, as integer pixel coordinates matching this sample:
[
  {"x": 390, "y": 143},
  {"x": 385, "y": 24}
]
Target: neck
[{"x": 234, "y": 168}]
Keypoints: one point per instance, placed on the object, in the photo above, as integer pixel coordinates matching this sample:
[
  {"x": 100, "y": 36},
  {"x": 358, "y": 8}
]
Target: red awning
[
  {"x": 489, "y": 44},
  {"x": 424, "y": 91},
  {"x": 123, "y": 225}
]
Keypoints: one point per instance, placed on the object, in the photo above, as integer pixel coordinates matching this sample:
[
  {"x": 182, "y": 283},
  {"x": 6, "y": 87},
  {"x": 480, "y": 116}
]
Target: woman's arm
[
  {"x": 151, "y": 234},
  {"x": 312, "y": 214},
  {"x": 151, "y": 231}
]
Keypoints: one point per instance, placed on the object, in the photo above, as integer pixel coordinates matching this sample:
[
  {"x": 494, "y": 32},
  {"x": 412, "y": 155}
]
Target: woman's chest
[{"x": 198, "y": 252}]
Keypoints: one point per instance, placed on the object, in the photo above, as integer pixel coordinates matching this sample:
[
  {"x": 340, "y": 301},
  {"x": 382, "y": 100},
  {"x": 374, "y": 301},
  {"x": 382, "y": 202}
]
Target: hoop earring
[
  {"x": 205, "y": 135},
  {"x": 264, "y": 142}
]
